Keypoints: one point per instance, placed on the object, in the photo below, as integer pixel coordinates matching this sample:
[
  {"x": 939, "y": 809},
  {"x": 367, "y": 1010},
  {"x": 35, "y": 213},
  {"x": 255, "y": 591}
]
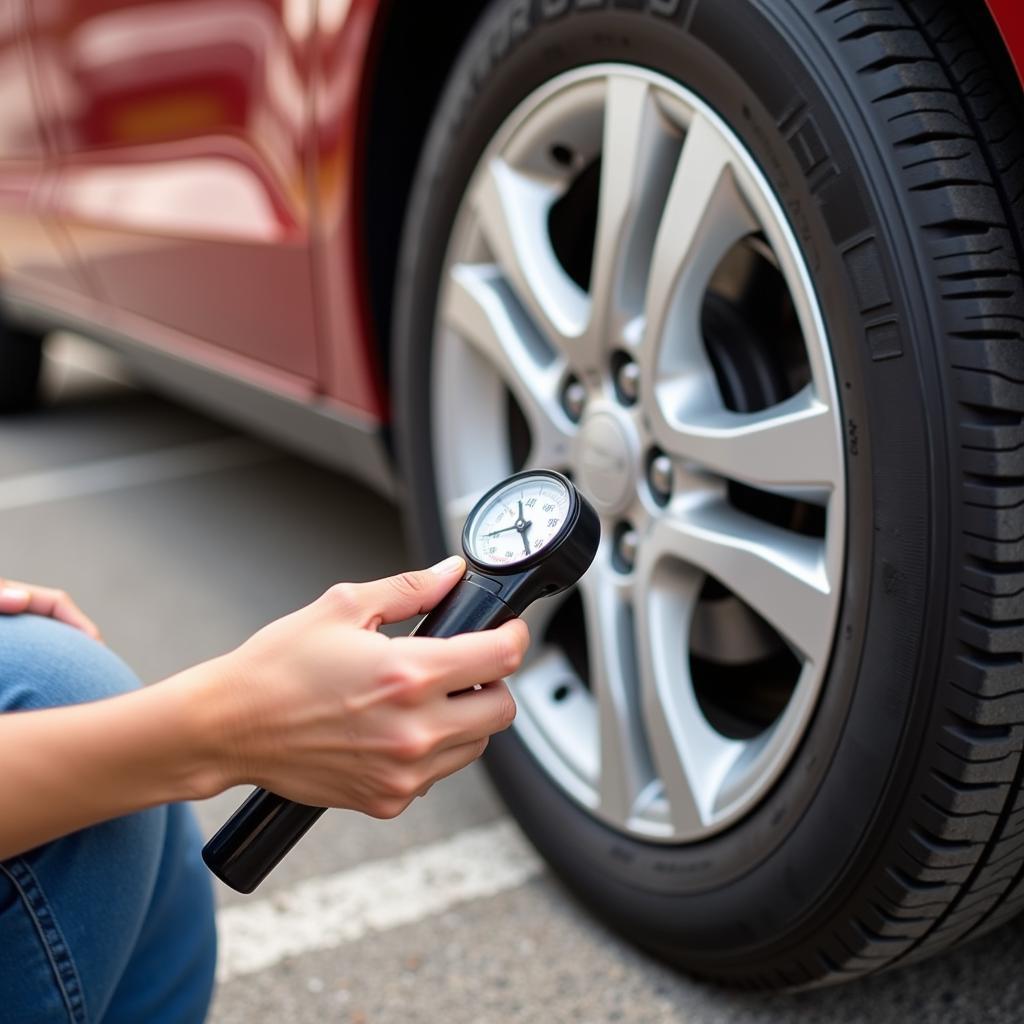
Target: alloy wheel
[{"x": 624, "y": 299}]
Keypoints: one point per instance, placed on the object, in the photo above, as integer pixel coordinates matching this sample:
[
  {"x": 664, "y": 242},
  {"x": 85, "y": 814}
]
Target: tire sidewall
[{"x": 799, "y": 854}]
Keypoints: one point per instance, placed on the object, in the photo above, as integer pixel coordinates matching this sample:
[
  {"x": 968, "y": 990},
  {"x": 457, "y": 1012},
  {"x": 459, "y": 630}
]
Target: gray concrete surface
[{"x": 181, "y": 569}]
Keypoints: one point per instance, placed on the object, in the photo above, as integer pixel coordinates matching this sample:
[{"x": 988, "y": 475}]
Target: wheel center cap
[{"x": 605, "y": 460}]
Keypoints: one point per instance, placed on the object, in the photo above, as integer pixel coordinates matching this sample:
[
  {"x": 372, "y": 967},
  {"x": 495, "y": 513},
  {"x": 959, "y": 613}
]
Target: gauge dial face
[{"x": 518, "y": 521}]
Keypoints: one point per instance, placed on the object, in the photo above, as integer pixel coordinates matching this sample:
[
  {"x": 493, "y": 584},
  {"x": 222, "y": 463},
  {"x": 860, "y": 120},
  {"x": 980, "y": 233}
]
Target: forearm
[
  {"x": 65, "y": 768},
  {"x": 318, "y": 706}
]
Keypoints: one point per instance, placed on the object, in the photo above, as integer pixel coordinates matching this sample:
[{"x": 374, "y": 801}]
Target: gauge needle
[
  {"x": 522, "y": 526},
  {"x": 495, "y": 533}
]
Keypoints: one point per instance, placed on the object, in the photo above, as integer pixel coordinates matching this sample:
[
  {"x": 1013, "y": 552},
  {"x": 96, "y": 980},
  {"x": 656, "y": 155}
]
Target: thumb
[
  {"x": 13, "y": 599},
  {"x": 395, "y": 598}
]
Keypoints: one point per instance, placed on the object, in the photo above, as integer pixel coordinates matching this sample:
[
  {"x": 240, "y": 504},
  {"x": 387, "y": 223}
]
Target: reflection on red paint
[
  {"x": 181, "y": 129},
  {"x": 341, "y": 53}
]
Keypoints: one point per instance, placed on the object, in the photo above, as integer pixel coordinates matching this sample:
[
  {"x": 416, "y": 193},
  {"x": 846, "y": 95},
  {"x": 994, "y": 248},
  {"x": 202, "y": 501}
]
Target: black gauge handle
[{"x": 253, "y": 841}]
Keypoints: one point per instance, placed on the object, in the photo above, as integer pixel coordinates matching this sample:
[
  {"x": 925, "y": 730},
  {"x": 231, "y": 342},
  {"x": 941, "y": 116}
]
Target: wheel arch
[
  {"x": 1009, "y": 19},
  {"x": 415, "y": 50}
]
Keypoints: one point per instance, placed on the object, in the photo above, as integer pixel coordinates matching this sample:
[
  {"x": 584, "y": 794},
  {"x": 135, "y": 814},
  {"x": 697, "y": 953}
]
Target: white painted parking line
[
  {"x": 327, "y": 912},
  {"x": 135, "y": 470}
]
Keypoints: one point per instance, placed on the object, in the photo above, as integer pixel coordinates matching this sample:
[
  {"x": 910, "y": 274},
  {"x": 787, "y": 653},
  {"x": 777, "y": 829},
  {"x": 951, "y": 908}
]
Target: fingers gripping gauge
[{"x": 531, "y": 536}]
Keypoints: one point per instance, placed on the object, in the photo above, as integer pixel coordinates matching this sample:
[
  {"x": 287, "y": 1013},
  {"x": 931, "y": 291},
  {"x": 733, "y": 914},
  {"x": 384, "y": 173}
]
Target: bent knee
[{"x": 45, "y": 663}]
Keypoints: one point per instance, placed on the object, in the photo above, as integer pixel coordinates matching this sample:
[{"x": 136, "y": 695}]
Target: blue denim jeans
[{"x": 113, "y": 923}]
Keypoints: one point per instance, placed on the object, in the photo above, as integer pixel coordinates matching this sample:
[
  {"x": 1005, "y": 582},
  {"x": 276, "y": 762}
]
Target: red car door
[
  {"x": 181, "y": 131},
  {"x": 32, "y": 258}
]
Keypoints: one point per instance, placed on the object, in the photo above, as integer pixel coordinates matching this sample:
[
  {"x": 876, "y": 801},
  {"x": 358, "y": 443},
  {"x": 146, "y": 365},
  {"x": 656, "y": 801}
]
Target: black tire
[
  {"x": 21, "y": 354},
  {"x": 891, "y": 132}
]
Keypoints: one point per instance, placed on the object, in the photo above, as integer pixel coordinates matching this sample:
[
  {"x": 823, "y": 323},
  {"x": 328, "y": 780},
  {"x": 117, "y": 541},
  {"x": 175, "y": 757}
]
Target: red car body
[{"x": 191, "y": 177}]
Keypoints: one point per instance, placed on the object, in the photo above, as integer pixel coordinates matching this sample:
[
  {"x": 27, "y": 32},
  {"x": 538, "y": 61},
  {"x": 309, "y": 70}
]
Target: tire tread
[{"x": 959, "y": 869}]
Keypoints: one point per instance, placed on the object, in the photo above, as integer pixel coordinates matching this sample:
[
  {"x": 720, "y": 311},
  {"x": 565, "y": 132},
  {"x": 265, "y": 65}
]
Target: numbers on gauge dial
[{"x": 518, "y": 521}]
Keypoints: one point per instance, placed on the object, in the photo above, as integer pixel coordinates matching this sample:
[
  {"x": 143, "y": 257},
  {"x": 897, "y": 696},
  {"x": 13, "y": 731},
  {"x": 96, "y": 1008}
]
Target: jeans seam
[{"x": 51, "y": 937}]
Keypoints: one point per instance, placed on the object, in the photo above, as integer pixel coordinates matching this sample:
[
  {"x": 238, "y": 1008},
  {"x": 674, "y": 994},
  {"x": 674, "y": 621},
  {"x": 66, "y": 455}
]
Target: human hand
[
  {"x": 17, "y": 598},
  {"x": 325, "y": 710}
]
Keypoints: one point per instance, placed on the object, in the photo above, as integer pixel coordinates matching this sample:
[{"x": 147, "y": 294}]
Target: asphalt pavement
[{"x": 181, "y": 537}]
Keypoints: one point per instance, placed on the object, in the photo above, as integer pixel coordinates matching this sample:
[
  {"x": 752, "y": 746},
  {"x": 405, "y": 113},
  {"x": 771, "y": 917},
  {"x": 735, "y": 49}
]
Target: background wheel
[
  {"x": 21, "y": 354},
  {"x": 751, "y": 272}
]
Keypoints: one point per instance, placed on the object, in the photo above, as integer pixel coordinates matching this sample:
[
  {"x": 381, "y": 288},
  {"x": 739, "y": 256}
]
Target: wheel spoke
[
  {"x": 638, "y": 155},
  {"x": 624, "y": 762},
  {"x": 513, "y": 213},
  {"x": 789, "y": 448},
  {"x": 705, "y": 215},
  {"x": 691, "y": 759},
  {"x": 571, "y": 717},
  {"x": 480, "y": 309},
  {"x": 780, "y": 574}
]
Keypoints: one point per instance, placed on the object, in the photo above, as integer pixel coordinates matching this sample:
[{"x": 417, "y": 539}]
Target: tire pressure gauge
[{"x": 531, "y": 536}]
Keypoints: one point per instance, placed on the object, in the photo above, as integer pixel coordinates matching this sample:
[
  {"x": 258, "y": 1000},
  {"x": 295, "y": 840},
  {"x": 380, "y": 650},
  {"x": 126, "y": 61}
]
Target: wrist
[{"x": 218, "y": 738}]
